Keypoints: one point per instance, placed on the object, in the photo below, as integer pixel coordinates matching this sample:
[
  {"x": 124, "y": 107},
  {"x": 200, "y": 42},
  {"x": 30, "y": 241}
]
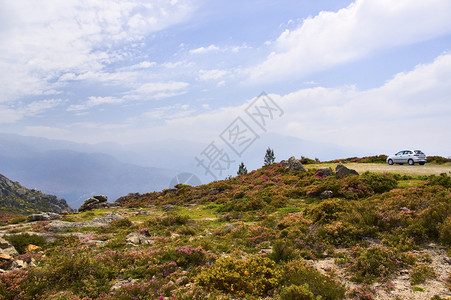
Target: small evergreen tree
[
  {"x": 241, "y": 169},
  {"x": 269, "y": 157}
]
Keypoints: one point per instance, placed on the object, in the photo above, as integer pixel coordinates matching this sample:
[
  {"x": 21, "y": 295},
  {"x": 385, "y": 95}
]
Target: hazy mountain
[{"x": 75, "y": 175}]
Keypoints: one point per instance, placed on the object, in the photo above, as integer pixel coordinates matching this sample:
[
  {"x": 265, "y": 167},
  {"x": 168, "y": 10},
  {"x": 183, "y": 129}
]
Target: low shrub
[
  {"x": 18, "y": 220},
  {"x": 298, "y": 273},
  {"x": 443, "y": 179},
  {"x": 121, "y": 223},
  {"x": 21, "y": 241},
  {"x": 282, "y": 250},
  {"x": 445, "y": 232},
  {"x": 254, "y": 276},
  {"x": 379, "y": 183},
  {"x": 373, "y": 263},
  {"x": 170, "y": 220},
  {"x": 421, "y": 272},
  {"x": 363, "y": 292},
  {"x": 297, "y": 292},
  {"x": 327, "y": 211}
]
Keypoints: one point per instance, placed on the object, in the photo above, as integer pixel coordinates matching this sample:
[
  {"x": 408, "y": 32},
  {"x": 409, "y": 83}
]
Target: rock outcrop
[
  {"x": 341, "y": 171},
  {"x": 44, "y": 217},
  {"x": 324, "y": 172},
  {"x": 94, "y": 202},
  {"x": 6, "y": 249},
  {"x": 56, "y": 226},
  {"x": 292, "y": 164},
  {"x": 14, "y": 198}
]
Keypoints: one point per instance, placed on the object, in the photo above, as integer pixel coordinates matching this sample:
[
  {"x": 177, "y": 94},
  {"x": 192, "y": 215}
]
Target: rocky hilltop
[{"x": 14, "y": 198}]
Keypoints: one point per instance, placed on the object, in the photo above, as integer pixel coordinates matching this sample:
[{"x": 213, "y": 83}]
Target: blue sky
[{"x": 373, "y": 74}]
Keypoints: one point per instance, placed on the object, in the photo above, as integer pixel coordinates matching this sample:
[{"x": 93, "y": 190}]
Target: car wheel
[
  {"x": 390, "y": 162},
  {"x": 411, "y": 162}
]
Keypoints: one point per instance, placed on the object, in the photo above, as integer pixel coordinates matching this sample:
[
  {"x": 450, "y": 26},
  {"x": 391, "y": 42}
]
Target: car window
[
  {"x": 399, "y": 153},
  {"x": 419, "y": 152},
  {"x": 408, "y": 152}
]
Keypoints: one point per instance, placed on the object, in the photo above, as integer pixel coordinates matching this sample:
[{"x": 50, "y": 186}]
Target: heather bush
[
  {"x": 379, "y": 183},
  {"x": 445, "y": 232},
  {"x": 254, "y": 276},
  {"x": 21, "y": 241},
  {"x": 421, "y": 272},
  {"x": 338, "y": 233},
  {"x": 298, "y": 273},
  {"x": 152, "y": 289},
  {"x": 376, "y": 262},
  {"x": 283, "y": 250},
  {"x": 121, "y": 223},
  {"x": 12, "y": 284},
  {"x": 328, "y": 211},
  {"x": 349, "y": 187},
  {"x": 170, "y": 219},
  {"x": 443, "y": 179},
  {"x": 363, "y": 292}
]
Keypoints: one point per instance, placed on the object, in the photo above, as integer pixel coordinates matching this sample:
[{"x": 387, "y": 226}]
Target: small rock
[
  {"x": 32, "y": 248},
  {"x": 7, "y": 248},
  {"x": 182, "y": 281},
  {"x": 94, "y": 202},
  {"x": 292, "y": 164},
  {"x": 168, "y": 207},
  {"x": 266, "y": 251},
  {"x": 136, "y": 238},
  {"x": 4, "y": 256},
  {"x": 342, "y": 171},
  {"x": 19, "y": 264},
  {"x": 326, "y": 194},
  {"x": 101, "y": 198}
]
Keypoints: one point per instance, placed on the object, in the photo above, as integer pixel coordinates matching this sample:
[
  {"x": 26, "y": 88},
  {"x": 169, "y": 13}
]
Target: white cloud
[
  {"x": 333, "y": 38},
  {"x": 154, "y": 87},
  {"x": 38, "y": 107},
  {"x": 203, "y": 50},
  {"x": 42, "y": 40},
  {"x": 94, "y": 101},
  {"x": 206, "y": 75},
  {"x": 143, "y": 65},
  {"x": 168, "y": 112},
  {"x": 16, "y": 113}
]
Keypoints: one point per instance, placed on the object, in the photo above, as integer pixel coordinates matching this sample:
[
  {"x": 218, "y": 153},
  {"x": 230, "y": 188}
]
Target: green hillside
[
  {"x": 268, "y": 234},
  {"x": 17, "y": 199}
]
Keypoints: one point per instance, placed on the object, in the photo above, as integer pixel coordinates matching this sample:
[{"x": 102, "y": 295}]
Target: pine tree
[
  {"x": 269, "y": 157},
  {"x": 241, "y": 169}
]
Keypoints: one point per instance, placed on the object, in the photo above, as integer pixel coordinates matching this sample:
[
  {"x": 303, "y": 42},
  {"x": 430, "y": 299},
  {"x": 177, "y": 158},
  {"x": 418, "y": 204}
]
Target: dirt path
[{"x": 427, "y": 169}]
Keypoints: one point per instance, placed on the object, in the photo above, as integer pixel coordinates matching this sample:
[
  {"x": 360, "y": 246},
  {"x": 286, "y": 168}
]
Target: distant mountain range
[
  {"x": 76, "y": 171},
  {"x": 75, "y": 175},
  {"x": 17, "y": 199}
]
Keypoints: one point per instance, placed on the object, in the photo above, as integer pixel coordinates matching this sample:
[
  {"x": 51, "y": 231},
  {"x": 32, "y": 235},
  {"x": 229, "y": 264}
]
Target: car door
[
  {"x": 398, "y": 157},
  {"x": 407, "y": 155}
]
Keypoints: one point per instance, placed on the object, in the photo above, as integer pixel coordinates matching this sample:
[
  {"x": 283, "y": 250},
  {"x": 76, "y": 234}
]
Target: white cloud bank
[
  {"x": 41, "y": 40},
  {"x": 410, "y": 110},
  {"x": 365, "y": 26}
]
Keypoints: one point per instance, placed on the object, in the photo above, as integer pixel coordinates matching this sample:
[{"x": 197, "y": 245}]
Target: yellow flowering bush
[{"x": 254, "y": 276}]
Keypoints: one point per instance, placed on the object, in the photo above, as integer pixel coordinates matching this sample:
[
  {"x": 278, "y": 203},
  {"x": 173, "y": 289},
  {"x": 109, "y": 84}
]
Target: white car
[{"x": 407, "y": 156}]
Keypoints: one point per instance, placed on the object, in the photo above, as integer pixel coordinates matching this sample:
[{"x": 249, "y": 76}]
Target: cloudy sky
[{"x": 374, "y": 74}]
